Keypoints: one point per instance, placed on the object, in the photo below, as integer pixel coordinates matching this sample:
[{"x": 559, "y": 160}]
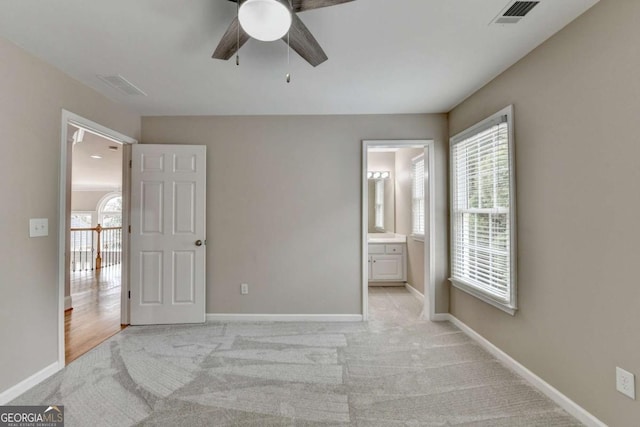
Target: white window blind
[
  {"x": 417, "y": 197},
  {"x": 482, "y": 220},
  {"x": 379, "y": 204}
]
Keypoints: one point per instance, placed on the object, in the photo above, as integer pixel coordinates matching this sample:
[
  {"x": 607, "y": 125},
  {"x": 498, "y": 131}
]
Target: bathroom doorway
[{"x": 398, "y": 220}]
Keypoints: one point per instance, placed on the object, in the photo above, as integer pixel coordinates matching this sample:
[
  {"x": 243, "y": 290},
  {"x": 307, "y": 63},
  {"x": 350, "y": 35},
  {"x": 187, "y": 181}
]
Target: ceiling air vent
[
  {"x": 123, "y": 85},
  {"x": 515, "y": 11}
]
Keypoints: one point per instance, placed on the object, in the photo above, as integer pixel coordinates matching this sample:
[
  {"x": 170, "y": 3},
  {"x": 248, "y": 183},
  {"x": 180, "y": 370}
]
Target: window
[
  {"x": 111, "y": 211},
  {"x": 81, "y": 220},
  {"x": 379, "y": 204},
  {"x": 483, "y": 211},
  {"x": 417, "y": 197}
]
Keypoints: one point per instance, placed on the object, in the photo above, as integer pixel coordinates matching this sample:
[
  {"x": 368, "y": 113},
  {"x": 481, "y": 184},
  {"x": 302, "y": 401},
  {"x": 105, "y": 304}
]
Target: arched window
[{"x": 110, "y": 211}]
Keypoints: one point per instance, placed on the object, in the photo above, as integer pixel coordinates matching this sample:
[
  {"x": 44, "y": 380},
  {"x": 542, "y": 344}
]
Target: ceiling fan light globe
[{"x": 265, "y": 20}]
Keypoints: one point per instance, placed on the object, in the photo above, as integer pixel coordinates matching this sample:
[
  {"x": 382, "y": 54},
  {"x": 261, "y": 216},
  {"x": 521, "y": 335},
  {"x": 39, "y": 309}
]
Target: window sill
[
  {"x": 418, "y": 237},
  {"x": 507, "y": 308}
]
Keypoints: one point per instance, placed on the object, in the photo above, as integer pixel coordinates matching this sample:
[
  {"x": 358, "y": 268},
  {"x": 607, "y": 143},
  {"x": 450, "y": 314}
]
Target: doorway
[
  {"x": 398, "y": 228},
  {"x": 93, "y": 237}
]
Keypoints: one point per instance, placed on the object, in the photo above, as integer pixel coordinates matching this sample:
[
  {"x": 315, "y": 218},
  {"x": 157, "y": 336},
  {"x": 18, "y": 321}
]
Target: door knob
[{"x": 198, "y": 242}]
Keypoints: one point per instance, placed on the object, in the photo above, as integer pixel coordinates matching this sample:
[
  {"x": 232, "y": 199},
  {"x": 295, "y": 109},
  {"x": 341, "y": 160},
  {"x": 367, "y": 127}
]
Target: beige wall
[
  {"x": 32, "y": 96},
  {"x": 383, "y": 162},
  {"x": 577, "y": 111},
  {"x": 415, "y": 248},
  {"x": 371, "y": 206},
  {"x": 284, "y": 205},
  {"x": 87, "y": 200}
]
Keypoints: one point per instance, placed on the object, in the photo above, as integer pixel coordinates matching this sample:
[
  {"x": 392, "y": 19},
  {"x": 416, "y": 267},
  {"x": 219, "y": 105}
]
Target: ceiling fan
[{"x": 269, "y": 20}]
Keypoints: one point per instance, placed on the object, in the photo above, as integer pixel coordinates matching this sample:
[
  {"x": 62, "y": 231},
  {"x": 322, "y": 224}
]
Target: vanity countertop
[{"x": 386, "y": 238}]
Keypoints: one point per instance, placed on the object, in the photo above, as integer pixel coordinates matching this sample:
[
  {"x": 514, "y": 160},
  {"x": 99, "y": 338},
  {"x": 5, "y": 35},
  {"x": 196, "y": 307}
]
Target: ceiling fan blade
[
  {"x": 302, "y": 5},
  {"x": 302, "y": 41},
  {"x": 228, "y": 46}
]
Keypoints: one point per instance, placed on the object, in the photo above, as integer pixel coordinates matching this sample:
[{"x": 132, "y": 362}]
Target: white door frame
[
  {"x": 64, "y": 181},
  {"x": 429, "y": 310}
]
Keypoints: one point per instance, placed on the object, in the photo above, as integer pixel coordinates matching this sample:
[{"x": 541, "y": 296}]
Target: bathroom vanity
[{"x": 387, "y": 257}]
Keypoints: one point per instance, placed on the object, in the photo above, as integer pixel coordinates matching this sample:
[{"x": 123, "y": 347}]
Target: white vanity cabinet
[{"x": 387, "y": 262}]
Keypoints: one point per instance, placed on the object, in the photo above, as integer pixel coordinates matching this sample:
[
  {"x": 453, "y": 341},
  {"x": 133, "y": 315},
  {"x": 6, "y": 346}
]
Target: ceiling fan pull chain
[
  {"x": 238, "y": 33},
  {"x": 289, "y": 48},
  {"x": 288, "y": 59}
]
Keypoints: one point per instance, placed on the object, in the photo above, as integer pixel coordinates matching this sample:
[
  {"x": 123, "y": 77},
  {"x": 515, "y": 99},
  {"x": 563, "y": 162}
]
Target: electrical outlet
[
  {"x": 244, "y": 289},
  {"x": 626, "y": 383}
]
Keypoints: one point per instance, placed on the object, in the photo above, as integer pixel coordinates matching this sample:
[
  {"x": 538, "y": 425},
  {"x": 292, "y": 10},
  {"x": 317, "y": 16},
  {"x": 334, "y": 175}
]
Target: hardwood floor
[{"x": 96, "y": 310}]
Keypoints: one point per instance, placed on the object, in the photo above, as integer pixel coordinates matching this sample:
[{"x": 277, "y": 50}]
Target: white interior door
[{"x": 168, "y": 234}]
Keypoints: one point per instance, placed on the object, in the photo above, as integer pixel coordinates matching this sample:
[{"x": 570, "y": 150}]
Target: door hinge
[
  {"x": 130, "y": 163},
  {"x": 129, "y": 229},
  {"x": 129, "y": 294}
]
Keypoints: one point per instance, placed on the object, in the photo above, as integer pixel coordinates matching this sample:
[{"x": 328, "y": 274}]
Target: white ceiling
[
  {"x": 89, "y": 174},
  {"x": 401, "y": 56}
]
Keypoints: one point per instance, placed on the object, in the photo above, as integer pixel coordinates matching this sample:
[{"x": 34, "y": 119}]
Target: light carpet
[{"x": 395, "y": 370}]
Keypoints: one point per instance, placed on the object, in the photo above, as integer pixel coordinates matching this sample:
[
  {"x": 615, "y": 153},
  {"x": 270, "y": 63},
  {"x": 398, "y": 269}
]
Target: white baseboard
[
  {"x": 214, "y": 317},
  {"x": 413, "y": 291},
  {"x": 541, "y": 385},
  {"x": 440, "y": 317},
  {"x": 15, "y": 391},
  {"x": 68, "y": 303}
]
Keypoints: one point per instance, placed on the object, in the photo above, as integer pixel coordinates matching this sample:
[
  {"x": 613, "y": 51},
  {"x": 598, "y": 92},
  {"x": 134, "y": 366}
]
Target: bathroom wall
[
  {"x": 383, "y": 162},
  {"x": 415, "y": 248}
]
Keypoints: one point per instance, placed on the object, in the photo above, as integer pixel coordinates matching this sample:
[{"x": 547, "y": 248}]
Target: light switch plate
[
  {"x": 625, "y": 383},
  {"x": 38, "y": 227}
]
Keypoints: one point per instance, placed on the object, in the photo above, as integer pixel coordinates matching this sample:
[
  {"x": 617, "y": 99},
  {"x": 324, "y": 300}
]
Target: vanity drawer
[
  {"x": 394, "y": 249},
  {"x": 376, "y": 249}
]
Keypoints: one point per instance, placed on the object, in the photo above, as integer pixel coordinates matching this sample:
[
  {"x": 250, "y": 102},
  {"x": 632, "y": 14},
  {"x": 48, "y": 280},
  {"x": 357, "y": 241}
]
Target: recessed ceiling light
[{"x": 95, "y": 156}]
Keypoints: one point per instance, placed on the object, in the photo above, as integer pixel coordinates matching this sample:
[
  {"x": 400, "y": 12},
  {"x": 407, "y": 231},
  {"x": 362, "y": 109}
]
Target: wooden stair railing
[{"x": 108, "y": 242}]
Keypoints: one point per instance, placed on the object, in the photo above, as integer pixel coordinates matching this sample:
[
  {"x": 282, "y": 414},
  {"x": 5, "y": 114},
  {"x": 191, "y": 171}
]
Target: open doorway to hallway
[
  {"x": 93, "y": 239},
  {"x": 94, "y": 276}
]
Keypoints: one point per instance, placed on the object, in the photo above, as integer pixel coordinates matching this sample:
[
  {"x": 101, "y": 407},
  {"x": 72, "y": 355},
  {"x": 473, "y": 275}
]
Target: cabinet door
[
  {"x": 386, "y": 267},
  {"x": 370, "y": 267}
]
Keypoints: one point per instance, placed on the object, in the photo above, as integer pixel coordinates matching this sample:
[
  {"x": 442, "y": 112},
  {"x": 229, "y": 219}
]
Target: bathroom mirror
[{"x": 381, "y": 192}]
